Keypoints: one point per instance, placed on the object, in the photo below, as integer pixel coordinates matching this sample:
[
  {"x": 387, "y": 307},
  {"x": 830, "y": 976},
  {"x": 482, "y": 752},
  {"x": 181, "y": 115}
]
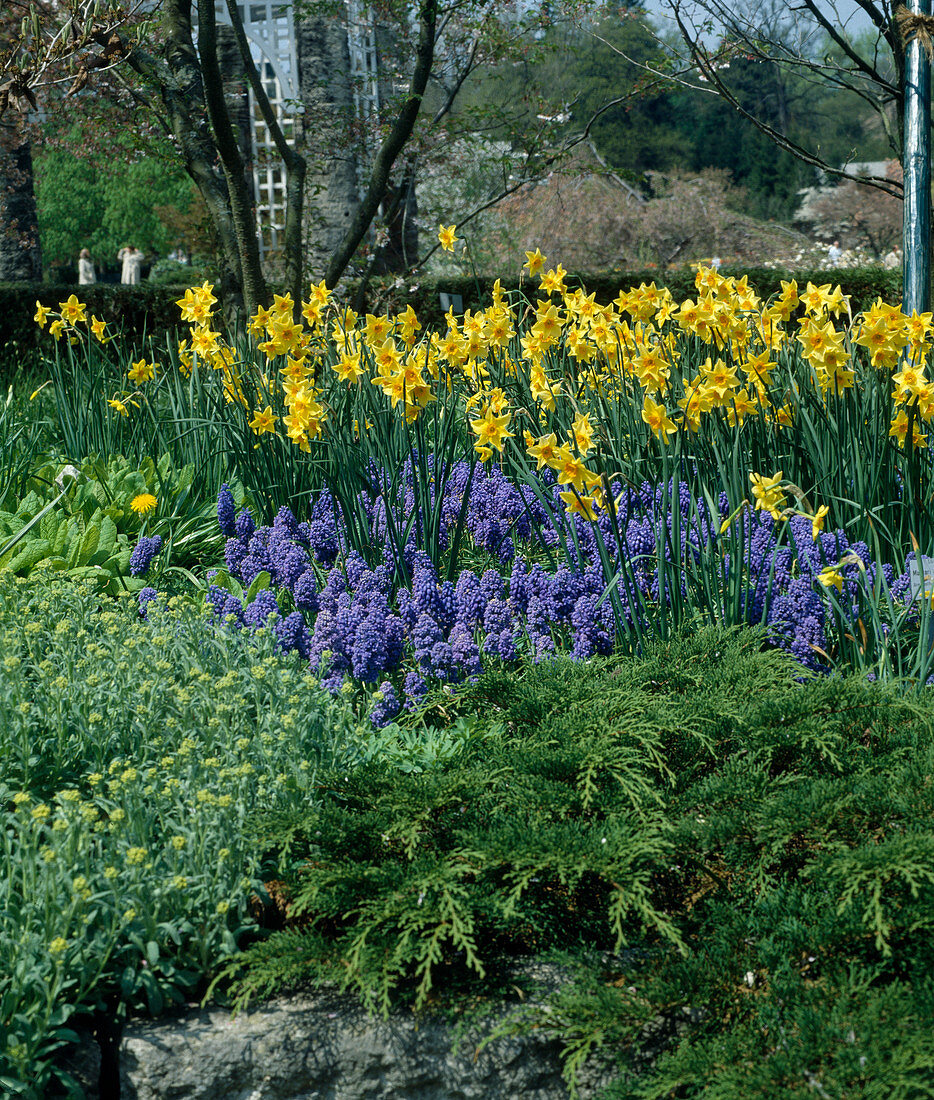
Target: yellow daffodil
[
  {"x": 73, "y": 310},
  {"x": 768, "y": 494},
  {"x": 141, "y": 372},
  {"x": 817, "y": 521},
  {"x": 830, "y": 577},
  {"x": 447, "y": 237},
  {"x": 264, "y": 421},
  {"x": 41, "y": 314},
  {"x": 657, "y": 419},
  {"x": 491, "y": 430},
  {"x": 535, "y": 262}
]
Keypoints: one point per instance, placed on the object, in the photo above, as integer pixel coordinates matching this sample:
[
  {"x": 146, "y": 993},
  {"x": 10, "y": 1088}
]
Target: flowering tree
[{"x": 861, "y": 216}]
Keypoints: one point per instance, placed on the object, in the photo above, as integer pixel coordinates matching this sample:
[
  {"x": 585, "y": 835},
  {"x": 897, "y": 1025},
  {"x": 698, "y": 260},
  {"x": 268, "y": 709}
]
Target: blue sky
[{"x": 847, "y": 11}]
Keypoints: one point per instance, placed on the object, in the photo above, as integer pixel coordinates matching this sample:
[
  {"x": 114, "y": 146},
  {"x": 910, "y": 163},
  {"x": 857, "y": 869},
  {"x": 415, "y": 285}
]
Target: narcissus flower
[
  {"x": 657, "y": 419},
  {"x": 73, "y": 310},
  {"x": 534, "y": 261},
  {"x": 264, "y": 421},
  {"x": 492, "y": 430},
  {"x": 141, "y": 372},
  {"x": 41, "y": 314},
  {"x": 817, "y": 521},
  {"x": 768, "y": 494},
  {"x": 447, "y": 237},
  {"x": 831, "y": 578}
]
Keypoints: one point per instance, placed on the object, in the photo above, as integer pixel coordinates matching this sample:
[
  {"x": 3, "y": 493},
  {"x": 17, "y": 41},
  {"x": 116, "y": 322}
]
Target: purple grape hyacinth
[
  {"x": 144, "y": 553},
  {"x": 352, "y": 618}
]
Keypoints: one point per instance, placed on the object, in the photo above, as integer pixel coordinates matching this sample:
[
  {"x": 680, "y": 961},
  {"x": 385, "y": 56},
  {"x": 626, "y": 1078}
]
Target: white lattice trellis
[
  {"x": 270, "y": 31},
  {"x": 364, "y": 73}
]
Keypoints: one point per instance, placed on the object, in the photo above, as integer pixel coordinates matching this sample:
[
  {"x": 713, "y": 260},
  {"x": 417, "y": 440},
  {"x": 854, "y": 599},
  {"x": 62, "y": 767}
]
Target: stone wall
[
  {"x": 19, "y": 228},
  {"x": 324, "y": 1046}
]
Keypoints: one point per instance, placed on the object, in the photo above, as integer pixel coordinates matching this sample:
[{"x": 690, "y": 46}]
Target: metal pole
[{"x": 916, "y": 293}]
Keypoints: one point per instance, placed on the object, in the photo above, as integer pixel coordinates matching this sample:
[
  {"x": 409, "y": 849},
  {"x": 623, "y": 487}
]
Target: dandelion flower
[{"x": 143, "y": 503}]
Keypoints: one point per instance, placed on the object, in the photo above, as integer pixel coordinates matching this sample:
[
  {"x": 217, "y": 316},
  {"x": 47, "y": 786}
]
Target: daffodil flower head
[{"x": 447, "y": 237}]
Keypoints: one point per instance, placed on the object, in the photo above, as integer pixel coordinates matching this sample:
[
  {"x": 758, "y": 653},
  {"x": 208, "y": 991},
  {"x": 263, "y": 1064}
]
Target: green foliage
[
  {"x": 762, "y": 844},
  {"x": 135, "y": 311},
  {"x": 79, "y": 521},
  {"x": 131, "y": 753},
  {"x": 103, "y": 207}
]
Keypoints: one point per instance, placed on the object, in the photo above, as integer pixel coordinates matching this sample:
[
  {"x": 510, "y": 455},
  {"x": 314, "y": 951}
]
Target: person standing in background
[
  {"x": 132, "y": 260},
  {"x": 85, "y": 268}
]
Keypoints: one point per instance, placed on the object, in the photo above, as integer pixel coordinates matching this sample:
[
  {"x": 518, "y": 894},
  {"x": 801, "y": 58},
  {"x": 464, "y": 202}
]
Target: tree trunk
[
  {"x": 241, "y": 207},
  {"x": 392, "y": 146},
  {"x": 20, "y": 259},
  {"x": 182, "y": 92}
]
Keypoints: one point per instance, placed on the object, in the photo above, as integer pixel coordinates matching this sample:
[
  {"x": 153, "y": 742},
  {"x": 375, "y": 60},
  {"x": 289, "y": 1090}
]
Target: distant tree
[
  {"x": 591, "y": 220},
  {"x": 808, "y": 48},
  {"x": 104, "y": 205},
  {"x": 45, "y": 45}
]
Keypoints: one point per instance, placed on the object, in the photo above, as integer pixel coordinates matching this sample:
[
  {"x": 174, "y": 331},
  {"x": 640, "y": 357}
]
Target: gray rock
[{"x": 324, "y": 1046}]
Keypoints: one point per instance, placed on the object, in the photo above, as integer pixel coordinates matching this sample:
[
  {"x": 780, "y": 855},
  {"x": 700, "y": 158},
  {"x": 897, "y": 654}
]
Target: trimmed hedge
[
  {"x": 137, "y": 311},
  {"x": 862, "y": 284}
]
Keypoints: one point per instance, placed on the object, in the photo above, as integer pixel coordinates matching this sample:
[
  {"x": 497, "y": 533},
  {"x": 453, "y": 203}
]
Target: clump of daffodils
[{"x": 534, "y": 380}]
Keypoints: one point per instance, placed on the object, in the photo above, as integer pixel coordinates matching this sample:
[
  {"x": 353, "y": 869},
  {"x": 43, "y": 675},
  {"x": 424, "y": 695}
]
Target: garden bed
[{"x": 338, "y": 653}]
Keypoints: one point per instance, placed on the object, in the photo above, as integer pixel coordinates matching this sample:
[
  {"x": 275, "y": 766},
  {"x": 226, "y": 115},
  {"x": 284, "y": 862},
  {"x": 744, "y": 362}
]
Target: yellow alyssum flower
[
  {"x": 263, "y": 421},
  {"x": 143, "y": 503},
  {"x": 58, "y": 946},
  {"x": 447, "y": 236}
]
